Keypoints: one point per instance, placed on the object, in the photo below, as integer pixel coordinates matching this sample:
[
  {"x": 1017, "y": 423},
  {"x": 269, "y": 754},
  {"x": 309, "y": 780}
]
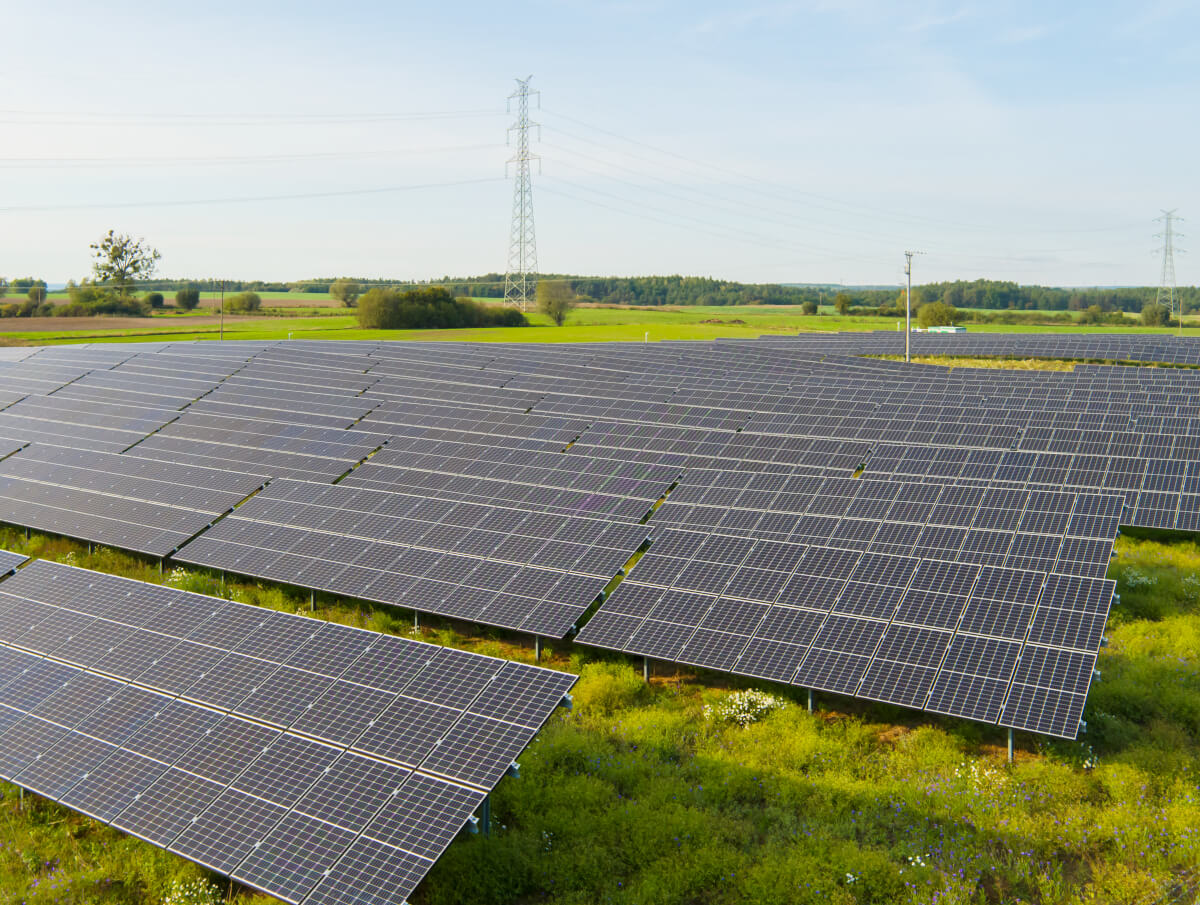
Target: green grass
[
  {"x": 639, "y": 796},
  {"x": 584, "y": 325}
]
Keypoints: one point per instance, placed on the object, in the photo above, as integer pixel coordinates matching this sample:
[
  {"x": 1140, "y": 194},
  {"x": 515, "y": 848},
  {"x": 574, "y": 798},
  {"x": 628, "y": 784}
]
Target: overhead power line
[
  {"x": 774, "y": 187},
  {"x": 138, "y": 120},
  {"x": 217, "y": 160},
  {"x": 299, "y": 196}
]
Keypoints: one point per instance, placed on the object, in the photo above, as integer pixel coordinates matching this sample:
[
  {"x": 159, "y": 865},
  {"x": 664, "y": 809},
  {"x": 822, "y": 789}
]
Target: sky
[{"x": 811, "y": 141}]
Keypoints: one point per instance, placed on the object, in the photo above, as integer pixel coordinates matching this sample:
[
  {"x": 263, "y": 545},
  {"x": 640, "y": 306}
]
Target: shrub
[
  {"x": 88, "y": 300},
  {"x": 936, "y": 314},
  {"x": 154, "y": 299},
  {"x": 808, "y": 308},
  {"x": 744, "y": 707},
  {"x": 198, "y": 891},
  {"x": 605, "y": 687},
  {"x": 187, "y": 299},
  {"x": 243, "y": 303},
  {"x": 1155, "y": 315},
  {"x": 432, "y": 308}
]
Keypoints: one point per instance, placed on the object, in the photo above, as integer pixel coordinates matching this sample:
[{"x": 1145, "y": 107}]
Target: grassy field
[
  {"x": 644, "y": 794},
  {"x": 592, "y": 324}
]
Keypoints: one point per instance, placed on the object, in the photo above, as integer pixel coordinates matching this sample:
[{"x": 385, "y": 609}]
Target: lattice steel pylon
[
  {"x": 521, "y": 276},
  {"x": 1167, "y": 293}
]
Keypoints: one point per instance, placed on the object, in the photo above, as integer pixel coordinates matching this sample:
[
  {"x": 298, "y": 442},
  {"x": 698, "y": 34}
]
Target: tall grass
[{"x": 640, "y": 795}]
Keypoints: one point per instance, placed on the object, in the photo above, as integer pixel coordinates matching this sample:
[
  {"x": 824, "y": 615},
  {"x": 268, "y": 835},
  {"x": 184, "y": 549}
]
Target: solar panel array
[
  {"x": 509, "y": 484},
  {"x": 316, "y": 762}
]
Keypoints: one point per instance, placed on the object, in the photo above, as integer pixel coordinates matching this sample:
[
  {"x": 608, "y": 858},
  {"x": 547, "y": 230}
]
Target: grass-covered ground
[
  {"x": 286, "y": 318},
  {"x": 642, "y": 794}
]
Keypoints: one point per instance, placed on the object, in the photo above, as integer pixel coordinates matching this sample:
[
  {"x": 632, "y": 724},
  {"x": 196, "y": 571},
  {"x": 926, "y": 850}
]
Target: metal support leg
[
  {"x": 312, "y": 601},
  {"x": 160, "y": 565},
  {"x": 810, "y": 700},
  {"x": 485, "y": 815},
  {"x": 416, "y": 621},
  {"x": 646, "y": 669},
  {"x": 20, "y": 798},
  {"x": 537, "y": 648},
  {"x": 1010, "y": 746}
]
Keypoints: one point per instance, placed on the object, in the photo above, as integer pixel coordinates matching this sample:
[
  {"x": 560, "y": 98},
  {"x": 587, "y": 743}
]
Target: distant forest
[{"x": 654, "y": 291}]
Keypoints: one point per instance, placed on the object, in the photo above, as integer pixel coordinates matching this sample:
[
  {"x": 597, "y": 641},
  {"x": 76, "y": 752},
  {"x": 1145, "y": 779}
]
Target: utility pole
[
  {"x": 222, "y": 303},
  {"x": 1166, "y": 284},
  {"x": 521, "y": 277},
  {"x": 908, "y": 256}
]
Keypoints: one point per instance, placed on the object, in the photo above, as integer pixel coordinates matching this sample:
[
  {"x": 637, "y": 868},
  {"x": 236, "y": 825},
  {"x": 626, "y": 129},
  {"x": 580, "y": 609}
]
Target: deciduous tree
[
  {"x": 346, "y": 291},
  {"x": 555, "y": 299},
  {"x": 119, "y": 260}
]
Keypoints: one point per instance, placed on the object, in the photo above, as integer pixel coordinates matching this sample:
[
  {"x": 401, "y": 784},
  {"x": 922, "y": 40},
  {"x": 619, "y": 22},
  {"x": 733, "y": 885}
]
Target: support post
[
  {"x": 416, "y": 621},
  {"x": 810, "y": 700},
  {"x": 485, "y": 815},
  {"x": 160, "y": 565},
  {"x": 537, "y": 648},
  {"x": 20, "y": 798},
  {"x": 646, "y": 670},
  {"x": 1010, "y": 746},
  {"x": 312, "y": 600}
]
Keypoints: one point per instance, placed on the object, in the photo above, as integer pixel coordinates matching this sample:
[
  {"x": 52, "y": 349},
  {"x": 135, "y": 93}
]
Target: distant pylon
[
  {"x": 521, "y": 277},
  {"x": 1167, "y": 293}
]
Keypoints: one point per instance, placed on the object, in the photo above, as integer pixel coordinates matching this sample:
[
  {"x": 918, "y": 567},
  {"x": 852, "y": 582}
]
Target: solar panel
[{"x": 381, "y": 763}]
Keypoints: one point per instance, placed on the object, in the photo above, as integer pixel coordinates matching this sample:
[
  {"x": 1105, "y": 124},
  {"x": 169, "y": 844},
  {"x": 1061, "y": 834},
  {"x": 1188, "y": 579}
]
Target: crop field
[
  {"x": 671, "y": 793},
  {"x": 590, "y": 324}
]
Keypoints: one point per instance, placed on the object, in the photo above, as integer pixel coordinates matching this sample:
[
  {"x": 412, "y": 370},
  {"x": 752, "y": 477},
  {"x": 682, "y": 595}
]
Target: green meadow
[{"x": 283, "y": 321}]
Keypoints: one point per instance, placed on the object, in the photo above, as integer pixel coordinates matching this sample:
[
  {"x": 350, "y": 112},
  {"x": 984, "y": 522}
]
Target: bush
[
  {"x": 433, "y": 308},
  {"x": 88, "y": 300},
  {"x": 37, "y": 294},
  {"x": 936, "y": 314},
  {"x": 605, "y": 687},
  {"x": 808, "y": 308},
  {"x": 243, "y": 303},
  {"x": 154, "y": 299},
  {"x": 1155, "y": 315},
  {"x": 187, "y": 299}
]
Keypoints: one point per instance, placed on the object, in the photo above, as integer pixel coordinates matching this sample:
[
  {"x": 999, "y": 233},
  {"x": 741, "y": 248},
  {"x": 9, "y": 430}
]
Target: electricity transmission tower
[
  {"x": 521, "y": 276},
  {"x": 1166, "y": 286}
]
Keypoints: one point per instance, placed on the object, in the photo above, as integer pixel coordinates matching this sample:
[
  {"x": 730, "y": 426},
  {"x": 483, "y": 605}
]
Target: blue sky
[{"x": 778, "y": 141}]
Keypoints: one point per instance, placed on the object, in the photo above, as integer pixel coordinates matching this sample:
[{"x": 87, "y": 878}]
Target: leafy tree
[
  {"x": 555, "y": 299},
  {"x": 936, "y": 314},
  {"x": 346, "y": 291},
  {"x": 809, "y": 307},
  {"x": 24, "y": 284},
  {"x": 842, "y": 303},
  {"x": 187, "y": 299},
  {"x": 1155, "y": 315},
  {"x": 154, "y": 299},
  {"x": 243, "y": 303},
  {"x": 3, "y": 287},
  {"x": 954, "y": 295},
  {"x": 37, "y": 294},
  {"x": 1093, "y": 315},
  {"x": 429, "y": 308},
  {"x": 119, "y": 260}
]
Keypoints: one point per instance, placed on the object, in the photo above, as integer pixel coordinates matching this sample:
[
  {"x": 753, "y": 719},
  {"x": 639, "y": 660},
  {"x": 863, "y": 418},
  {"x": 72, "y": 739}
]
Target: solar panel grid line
[{"x": 157, "y": 828}]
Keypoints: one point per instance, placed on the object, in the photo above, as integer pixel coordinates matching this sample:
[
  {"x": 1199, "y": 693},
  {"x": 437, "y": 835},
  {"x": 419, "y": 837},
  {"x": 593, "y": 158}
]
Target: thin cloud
[{"x": 1025, "y": 34}]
